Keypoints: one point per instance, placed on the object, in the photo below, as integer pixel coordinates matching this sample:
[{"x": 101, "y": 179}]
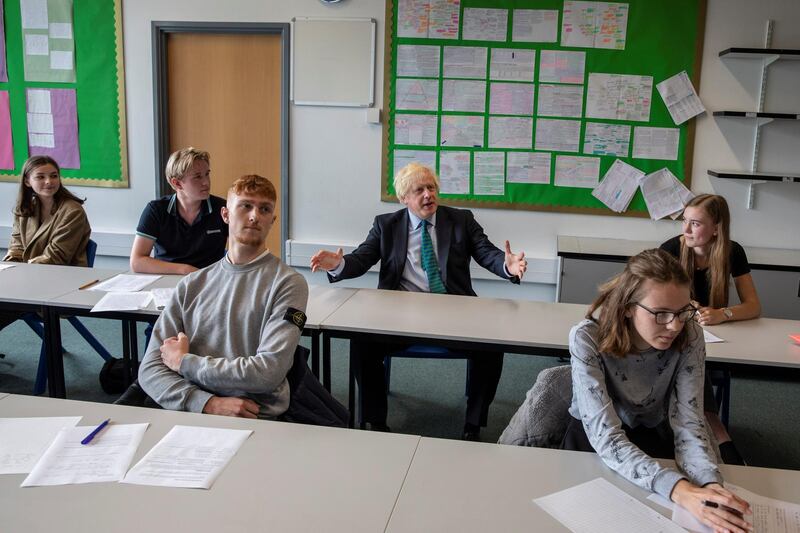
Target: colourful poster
[
  {"x": 48, "y": 43},
  {"x": 53, "y": 125},
  {"x": 6, "y": 146}
]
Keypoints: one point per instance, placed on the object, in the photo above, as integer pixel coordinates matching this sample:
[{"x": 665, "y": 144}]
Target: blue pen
[{"x": 95, "y": 431}]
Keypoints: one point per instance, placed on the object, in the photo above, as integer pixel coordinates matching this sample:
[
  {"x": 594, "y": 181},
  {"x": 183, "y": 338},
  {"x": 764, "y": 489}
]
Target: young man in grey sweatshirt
[{"x": 226, "y": 340}]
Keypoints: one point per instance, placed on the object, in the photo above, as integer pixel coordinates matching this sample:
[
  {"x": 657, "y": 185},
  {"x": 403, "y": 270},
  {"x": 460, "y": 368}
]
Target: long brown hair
[
  {"x": 27, "y": 203},
  {"x": 622, "y": 291},
  {"x": 719, "y": 268}
]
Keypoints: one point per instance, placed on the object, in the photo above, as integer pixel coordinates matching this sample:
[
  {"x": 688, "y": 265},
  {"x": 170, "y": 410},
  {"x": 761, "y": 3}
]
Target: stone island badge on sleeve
[{"x": 296, "y": 317}]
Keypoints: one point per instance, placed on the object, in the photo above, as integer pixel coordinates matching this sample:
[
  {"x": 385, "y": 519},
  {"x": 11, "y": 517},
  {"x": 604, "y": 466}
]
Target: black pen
[{"x": 715, "y": 505}]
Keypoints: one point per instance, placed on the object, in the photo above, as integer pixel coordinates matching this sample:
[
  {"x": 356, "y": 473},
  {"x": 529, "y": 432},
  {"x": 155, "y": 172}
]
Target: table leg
[
  {"x": 315, "y": 353},
  {"x": 134, "y": 353},
  {"x": 55, "y": 358},
  {"x": 326, "y": 361},
  {"x": 351, "y": 398}
]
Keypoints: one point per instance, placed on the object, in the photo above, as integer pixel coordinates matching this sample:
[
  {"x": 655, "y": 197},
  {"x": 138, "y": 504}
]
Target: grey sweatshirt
[
  {"x": 241, "y": 340},
  {"x": 643, "y": 389}
]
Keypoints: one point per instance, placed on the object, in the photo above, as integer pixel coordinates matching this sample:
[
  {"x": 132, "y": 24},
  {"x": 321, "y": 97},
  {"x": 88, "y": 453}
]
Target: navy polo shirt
[{"x": 198, "y": 244}]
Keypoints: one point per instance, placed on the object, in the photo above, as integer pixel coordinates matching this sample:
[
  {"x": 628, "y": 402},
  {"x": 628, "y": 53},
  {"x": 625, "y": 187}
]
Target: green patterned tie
[{"x": 429, "y": 262}]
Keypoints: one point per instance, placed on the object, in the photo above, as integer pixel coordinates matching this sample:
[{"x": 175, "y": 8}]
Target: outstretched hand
[
  {"x": 325, "y": 260},
  {"x": 516, "y": 264}
]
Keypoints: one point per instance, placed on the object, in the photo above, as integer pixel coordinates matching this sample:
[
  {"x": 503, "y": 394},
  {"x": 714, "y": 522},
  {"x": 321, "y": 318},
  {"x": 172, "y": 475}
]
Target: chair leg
[
  {"x": 88, "y": 337},
  {"x": 725, "y": 404},
  {"x": 41, "y": 373}
]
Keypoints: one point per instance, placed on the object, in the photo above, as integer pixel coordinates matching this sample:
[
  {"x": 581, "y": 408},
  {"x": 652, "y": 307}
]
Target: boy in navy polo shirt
[{"x": 185, "y": 228}]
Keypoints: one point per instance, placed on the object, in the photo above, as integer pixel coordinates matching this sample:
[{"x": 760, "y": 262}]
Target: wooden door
[{"x": 224, "y": 96}]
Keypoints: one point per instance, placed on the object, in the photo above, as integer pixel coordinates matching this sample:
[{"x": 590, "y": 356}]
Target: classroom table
[
  {"x": 286, "y": 477},
  {"x": 477, "y": 487},
  {"x": 761, "y": 342}
]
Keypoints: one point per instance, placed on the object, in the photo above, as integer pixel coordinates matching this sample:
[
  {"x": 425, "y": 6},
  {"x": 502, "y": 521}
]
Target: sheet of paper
[
  {"x": 618, "y": 186},
  {"x": 611, "y": 25},
  {"x": 434, "y": 19},
  {"x": 34, "y": 14},
  {"x": 415, "y": 94},
  {"x": 40, "y": 123},
  {"x": 462, "y": 130},
  {"x": 6, "y": 266},
  {"x": 489, "y": 173},
  {"x": 577, "y": 171},
  {"x": 105, "y": 458},
  {"x": 162, "y": 296},
  {"x": 62, "y": 144},
  {"x": 558, "y": 135},
  {"x": 444, "y": 19},
  {"x": 510, "y": 132},
  {"x": 619, "y": 97},
  {"x": 415, "y": 129},
  {"x": 680, "y": 97},
  {"x": 61, "y": 30},
  {"x": 656, "y": 143},
  {"x": 188, "y": 457},
  {"x": 464, "y": 95},
  {"x": 770, "y": 515},
  {"x": 560, "y": 66},
  {"x": 710, "y": 337},
  {"x": 597, "y": 506},
  {"x": 25, "y": 439},
  {"x": 39, "y": 101},
  {"x": 41, "y": 140},
  {"x": 6, "y": 138},
  {"x": 465, "y": 62},
  {"x": 607, "y": 139},
  {"x": 454, "y": 169},
  {"x": 61, "y": 60},
  {"x": 37, "y": 45},
  {"x": 594, "y": 25},
  {"x": 528, "y": 167},
  {"x": 663, "y": 193},
  {"x": 535, "y": 26},
  {"x": 511, "y": 98},
  {"x": 122, "y": 301},
  {"x": 125, "y": 283},
  {"x": 485, "y": 24},
  {"x": 512, "y": 65},
  {"x": 424, "y": 157},
  {"x": 560, "y": 100},
  {"x": 418, "y": 60}
]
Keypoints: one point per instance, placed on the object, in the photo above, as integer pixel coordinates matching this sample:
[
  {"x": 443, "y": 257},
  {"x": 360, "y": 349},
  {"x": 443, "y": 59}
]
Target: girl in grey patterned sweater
[{"x": 638, "y": 363}]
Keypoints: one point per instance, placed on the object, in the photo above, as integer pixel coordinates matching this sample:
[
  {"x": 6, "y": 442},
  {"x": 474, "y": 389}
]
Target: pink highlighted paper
[
  {"x": 6, "y": 144},
  {"x": 53, "y": 125}
]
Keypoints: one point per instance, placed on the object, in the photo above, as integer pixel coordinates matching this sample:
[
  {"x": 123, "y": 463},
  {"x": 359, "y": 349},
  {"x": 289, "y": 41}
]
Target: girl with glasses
[{"x": 638, "y": 362}]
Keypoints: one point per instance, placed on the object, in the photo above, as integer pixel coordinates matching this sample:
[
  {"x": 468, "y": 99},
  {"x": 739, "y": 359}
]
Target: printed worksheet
[
  {"x": 560, "y": 100},
  {"x": 416, "y": 60},
  {"x": 125, "y": 283},
  {"x": 462, "y": 130},
  {"x": 618, "y": 186},
  {"x": 511, "y": 98},
  {"x": 663, "y": 193},
  {"x": 123, "y": 301},
  {"x": 619, "y": 97},
  {"x": 464, "y": 95},
  {"x": 415, "y": 129},
  {"x": 607, "y": 139},
  {"x": 489, "y": 173},
  {"x": 535, "y": 26},
  {"x": 528, "y": 167},
  {"x": 594, "y": 25},
  {"x": 485, "y": 24},
  {"x": 510, "y": 132},
  {"x": 656, "y": 143},
  {"x": 401, "y": 158},
  {"x": 680, "y": 97},
  {"x": 577, "y": 171},
  {"x": 560, "y": 66},
  {"x": 415, "y": 94},
  {"x": 465, "y": 62},
  {"x": 432, "y": 19},
  {"x": 558, "y": 135},
  {"x": 512, "y": 65},
  {"x": 24, "y": 440},
  {"x": 454, "y": 168}
]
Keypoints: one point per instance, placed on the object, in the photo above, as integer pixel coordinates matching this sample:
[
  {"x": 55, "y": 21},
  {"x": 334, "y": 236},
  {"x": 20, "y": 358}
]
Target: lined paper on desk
[{"x": 597, "y": 506}]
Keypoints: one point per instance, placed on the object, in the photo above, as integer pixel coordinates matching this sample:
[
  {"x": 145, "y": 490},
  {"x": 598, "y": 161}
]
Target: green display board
[
  {"x": 99, "y": 88},
  {"x": 441, "y": 97}
]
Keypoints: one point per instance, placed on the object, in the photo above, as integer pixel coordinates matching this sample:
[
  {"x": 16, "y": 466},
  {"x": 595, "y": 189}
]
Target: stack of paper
[
  {"x": 664, "y": 194},
  {"x": 125, "y": 283},
  {"x": 123, "y": 301},
  {"x": 618, "y": 186}
]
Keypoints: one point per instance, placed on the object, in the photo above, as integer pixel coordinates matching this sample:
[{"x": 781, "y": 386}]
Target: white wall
[{"x": 335, "y": 154}]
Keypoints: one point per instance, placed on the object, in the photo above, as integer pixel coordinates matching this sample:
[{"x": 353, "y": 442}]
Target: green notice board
[
  {"x": 437, "y": 93},
  {"x": 99, "y": 88}
]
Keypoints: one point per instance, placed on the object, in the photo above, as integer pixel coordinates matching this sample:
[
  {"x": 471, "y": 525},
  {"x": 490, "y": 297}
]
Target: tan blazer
[{"x": 61, "y": 240}]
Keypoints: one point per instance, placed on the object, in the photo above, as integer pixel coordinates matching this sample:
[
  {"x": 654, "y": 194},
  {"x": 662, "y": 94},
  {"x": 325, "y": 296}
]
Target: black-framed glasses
[{"x": 665, "y": 317}]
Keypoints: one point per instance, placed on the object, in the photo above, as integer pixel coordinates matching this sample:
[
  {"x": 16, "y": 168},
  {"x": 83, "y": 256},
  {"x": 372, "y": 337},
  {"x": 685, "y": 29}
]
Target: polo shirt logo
[
  {"x": 296, "y": 317},
  {"x": 209, "y": 232}
]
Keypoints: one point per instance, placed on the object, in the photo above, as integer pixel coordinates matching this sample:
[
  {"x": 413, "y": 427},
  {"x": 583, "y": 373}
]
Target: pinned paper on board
[
  {"x": 664, "y": 194},
  {"x": 52, "y": 121},
  {"x": 485, "y": 24},
  {"x": 594, "y": 25},
  {"x": 680, "y": 98},
  {"x": 430, "y": 19},
  {"x": 510, "y": 132},
  {"x": 535, "y": 26},
  {"x": 454, "y": 169},
  {"x": 48, "y": 41},
  {"x": 618, "y": 186},
  {"x": 490, "y": 168},
  {"x": 512, "y": 65}
]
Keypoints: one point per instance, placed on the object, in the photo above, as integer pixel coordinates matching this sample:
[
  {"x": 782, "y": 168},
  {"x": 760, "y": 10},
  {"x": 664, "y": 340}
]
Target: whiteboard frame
[{"x": 373, "y": 38}]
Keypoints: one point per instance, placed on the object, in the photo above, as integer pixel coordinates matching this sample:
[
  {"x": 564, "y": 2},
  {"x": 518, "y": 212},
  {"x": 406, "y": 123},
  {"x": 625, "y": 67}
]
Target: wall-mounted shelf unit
[
  {"x": 758, "y": 176},
  {"x": 760, "y": 53},
  {"x": 756, "y": 114}
]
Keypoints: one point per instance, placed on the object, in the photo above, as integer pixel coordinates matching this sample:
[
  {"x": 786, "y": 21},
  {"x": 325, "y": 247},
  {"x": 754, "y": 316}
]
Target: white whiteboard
[{"x": 333, "y": 61}]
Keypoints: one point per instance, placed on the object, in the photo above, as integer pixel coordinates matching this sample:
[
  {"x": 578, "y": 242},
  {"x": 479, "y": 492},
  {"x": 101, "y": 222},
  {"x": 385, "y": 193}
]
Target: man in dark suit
[{"x": 423, "y": 248}]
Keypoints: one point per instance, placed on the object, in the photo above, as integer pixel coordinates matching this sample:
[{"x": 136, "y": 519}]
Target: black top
[
  {"x": 199, "y": 244},
  {"x": 702, "y": 288}
]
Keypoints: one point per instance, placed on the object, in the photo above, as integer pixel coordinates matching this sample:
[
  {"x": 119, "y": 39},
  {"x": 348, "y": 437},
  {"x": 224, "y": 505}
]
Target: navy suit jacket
[{"x": 459, "y": 238}]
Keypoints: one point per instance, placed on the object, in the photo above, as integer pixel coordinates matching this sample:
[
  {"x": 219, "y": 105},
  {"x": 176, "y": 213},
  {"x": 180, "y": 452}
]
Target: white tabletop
[
  {"x": 627, "y": 248},
  {"x": 324, "y": 300},
  {"x": 477, "y": 487},
  {"x": 286, "y": 477},
  {"x": 762, "y": 341},
  {"x": 38, "y": 284}
]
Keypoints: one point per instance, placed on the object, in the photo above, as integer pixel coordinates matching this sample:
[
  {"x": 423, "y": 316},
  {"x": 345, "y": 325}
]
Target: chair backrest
[{"x": 91, "y": 251}]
